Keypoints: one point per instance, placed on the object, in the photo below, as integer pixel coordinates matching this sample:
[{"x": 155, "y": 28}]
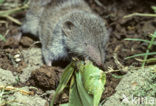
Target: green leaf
[
  {"x": 94, "y": 80},
  {"x": 2, "y": 37},
  {"x": 148, "y": 49},
  {"x": 141, "y": 54},
  {"x": 88, "y": 80},
  {"x": 150, "y": 44},
  {"x": 151, "y": 60},
  {"x": 1, "y": 1},
  {"x": 63, "y": 81},
  {"x": 86, "y": 99},
  {"x": 74, "y": 97},
  {"x": 66, "y": 104},
  {"x": 141, "y": 40},
  {"x": 154, "y": 8},
  {"x": 154, "y": 34}
]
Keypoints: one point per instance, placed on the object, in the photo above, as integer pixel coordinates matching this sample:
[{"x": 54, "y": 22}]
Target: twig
[
  {"x": 7, "y": 13},
  {"x": 1, "y": 22},
  {"x": 19, "y": 90},
  {"x": 110, "y": 70},
  {"x": 37, "y": 42},
  {"x": 98, "y": 3},
  {"x": 140, "y": 14},
  {"x": 6, "y": 33},
  {"x": 13, "y": 11},
  {"x": 13, "y": 20},
  {"x": 119, "y": 65},
  {"x": 4, "y": 22}
]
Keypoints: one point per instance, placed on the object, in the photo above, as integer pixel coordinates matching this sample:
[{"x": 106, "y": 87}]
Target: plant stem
[
  {"x": 147, "y": 51},
  {"x": 140, "y": 14},
  {"x": 7, "y": 13}
]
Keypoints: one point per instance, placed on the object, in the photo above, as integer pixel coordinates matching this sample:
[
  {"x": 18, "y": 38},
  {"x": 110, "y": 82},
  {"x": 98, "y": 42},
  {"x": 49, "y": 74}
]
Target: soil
[
  {"x": 46, "y": 78},
  {"x": 112, "y": 11}
]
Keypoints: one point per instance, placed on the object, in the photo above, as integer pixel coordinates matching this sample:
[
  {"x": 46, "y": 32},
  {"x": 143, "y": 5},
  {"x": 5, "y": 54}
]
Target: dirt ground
[{"x": 112, "y": 11}]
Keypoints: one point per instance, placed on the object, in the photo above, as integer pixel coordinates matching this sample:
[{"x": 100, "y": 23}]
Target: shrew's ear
[{"x": 68, "y": 28}]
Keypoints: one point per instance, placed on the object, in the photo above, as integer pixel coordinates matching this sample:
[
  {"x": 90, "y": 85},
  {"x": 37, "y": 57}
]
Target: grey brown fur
[
  {"x": 69, "y": 26},
  {"x": 33, "y": 16}
]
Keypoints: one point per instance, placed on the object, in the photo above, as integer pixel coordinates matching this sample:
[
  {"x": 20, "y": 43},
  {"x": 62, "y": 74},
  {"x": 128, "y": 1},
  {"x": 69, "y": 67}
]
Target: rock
[
  {"x": 6, "y": 78},
  {"x": 137, "y": 88}
]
